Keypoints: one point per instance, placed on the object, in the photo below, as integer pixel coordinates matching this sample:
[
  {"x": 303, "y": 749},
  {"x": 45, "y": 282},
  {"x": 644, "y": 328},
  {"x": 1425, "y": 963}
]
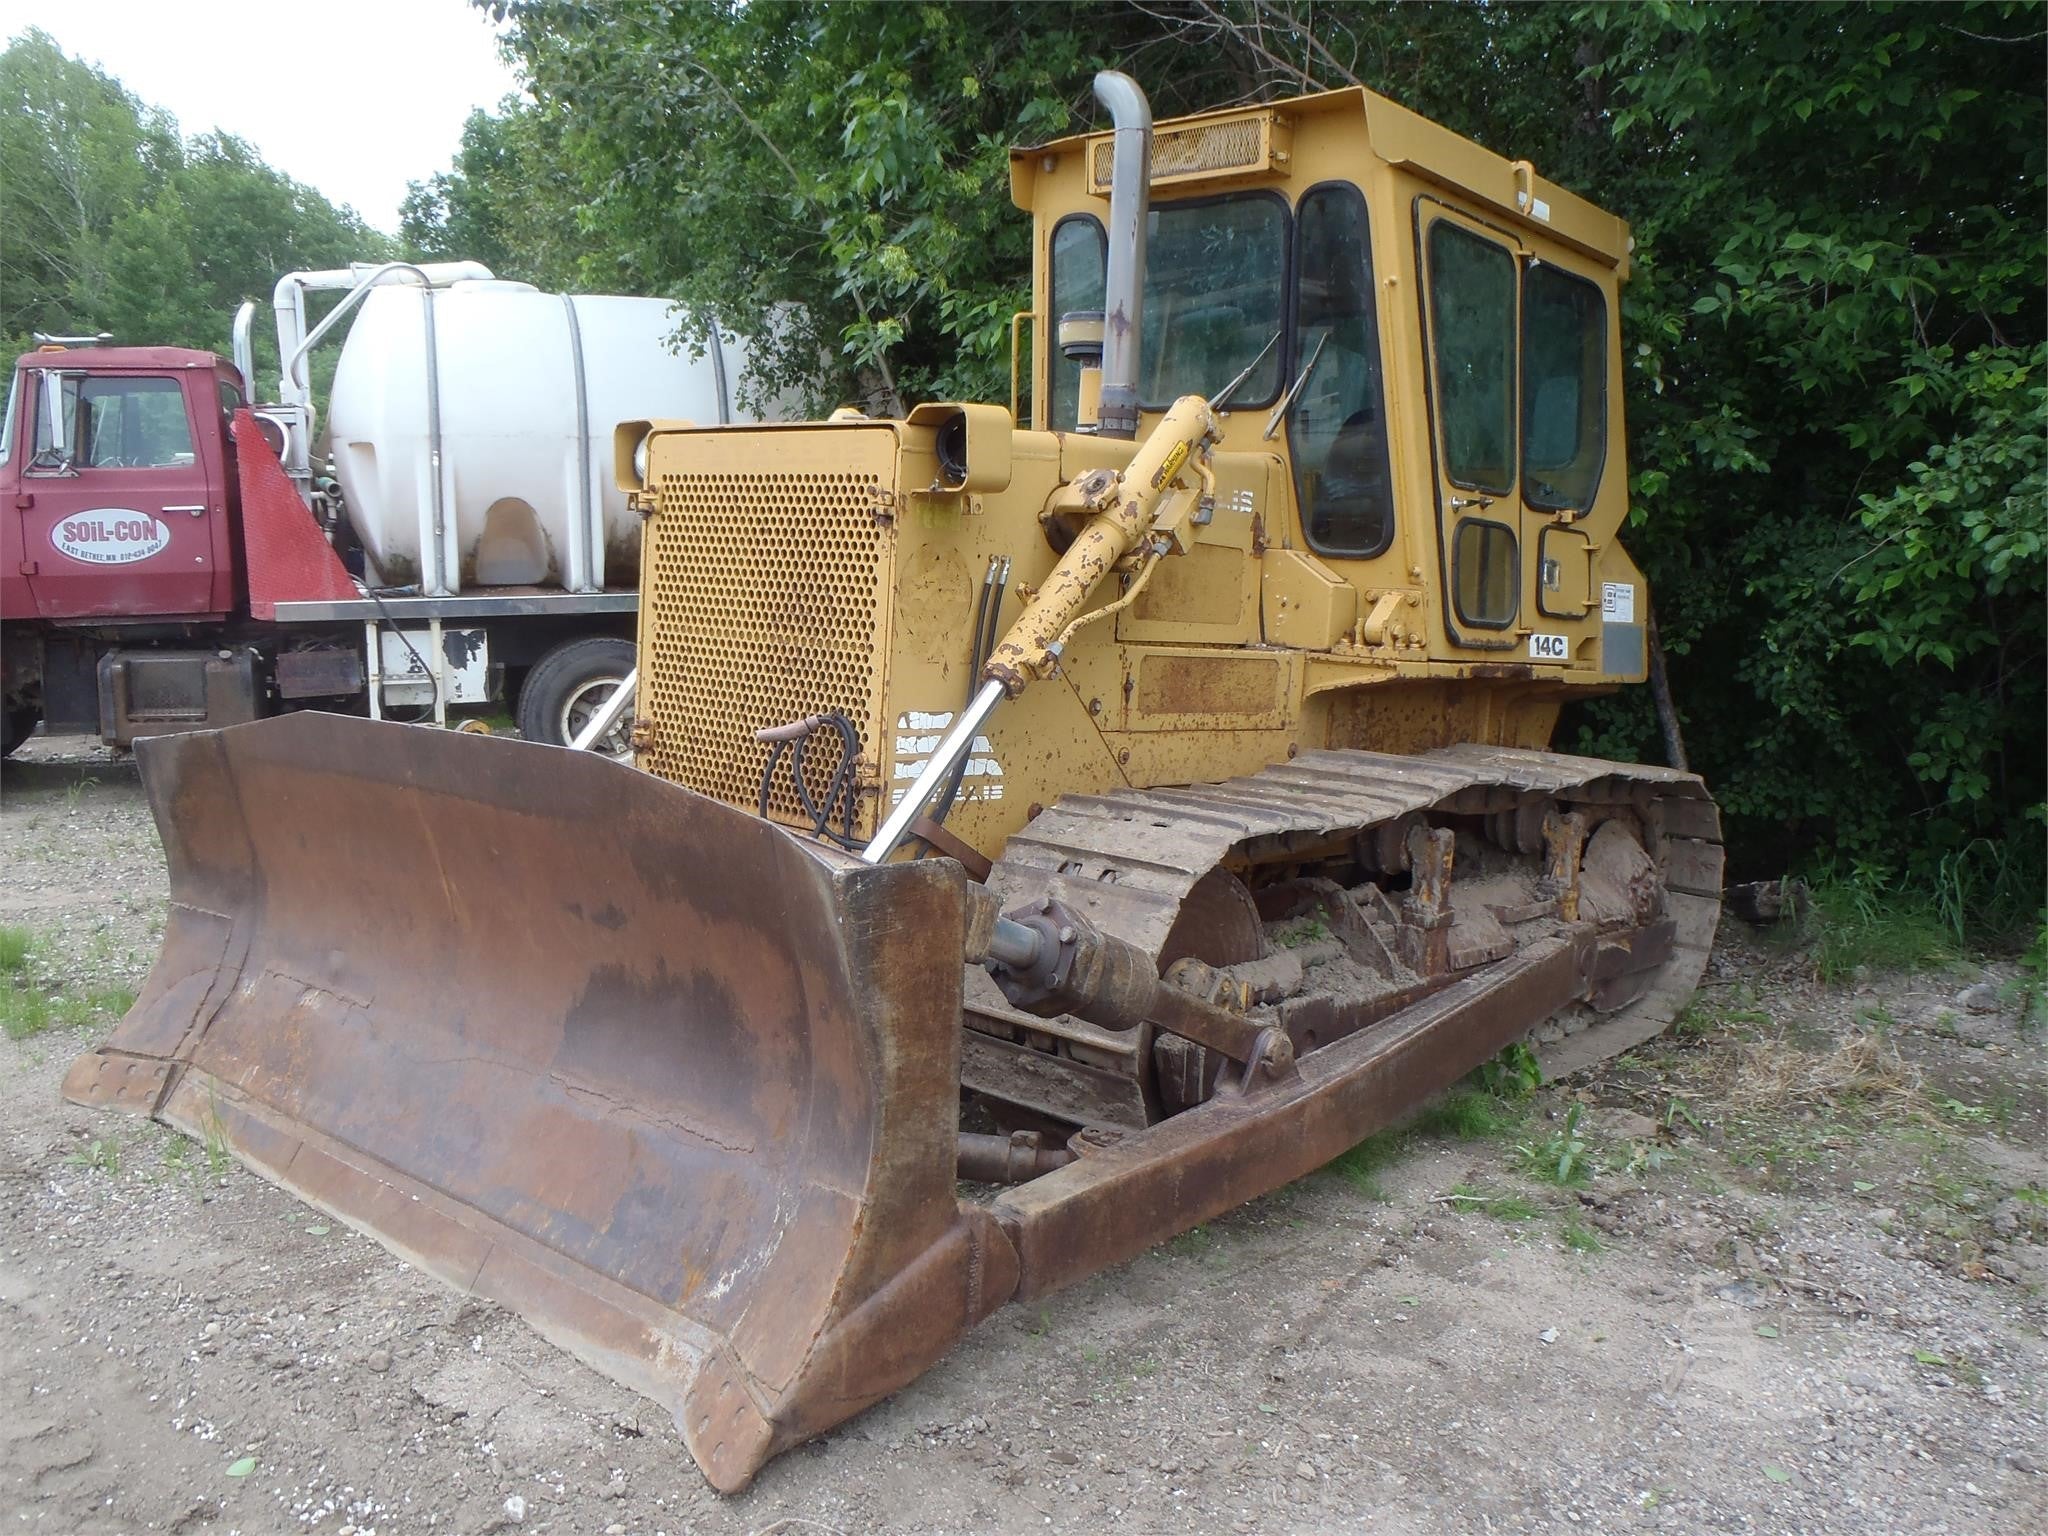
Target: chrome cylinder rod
[
  {"x": 607, "y": 714},
  {"x": 959, "y": 741}
]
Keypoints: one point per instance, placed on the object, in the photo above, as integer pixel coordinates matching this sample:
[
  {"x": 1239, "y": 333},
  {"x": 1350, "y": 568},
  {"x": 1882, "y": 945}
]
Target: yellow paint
[{"x": 798, "y": 568}]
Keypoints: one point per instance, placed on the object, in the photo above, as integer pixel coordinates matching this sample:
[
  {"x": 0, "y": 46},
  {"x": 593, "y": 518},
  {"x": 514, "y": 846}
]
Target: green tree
[
  {"x": 511, "y": 200},
  {"x": 110, "y": 221},
  {"x": 1834, "y": 330},
  {"x": 1837, "y": 329},
  {"x": 78, "y": 151}
]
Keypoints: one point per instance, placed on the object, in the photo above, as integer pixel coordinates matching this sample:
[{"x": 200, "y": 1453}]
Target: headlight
[{"x": 640, "y": 460}]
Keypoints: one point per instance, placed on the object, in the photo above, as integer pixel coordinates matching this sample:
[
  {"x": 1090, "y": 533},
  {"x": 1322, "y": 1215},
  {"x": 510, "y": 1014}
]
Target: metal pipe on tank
[
  {"x": 1124, "y": 281},
  {"x": 289, "y": 300},
  {"x": 586, "y": 543}
]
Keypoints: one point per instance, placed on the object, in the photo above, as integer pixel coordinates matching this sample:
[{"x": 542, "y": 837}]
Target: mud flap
[{"x": 676, "y": 1087}]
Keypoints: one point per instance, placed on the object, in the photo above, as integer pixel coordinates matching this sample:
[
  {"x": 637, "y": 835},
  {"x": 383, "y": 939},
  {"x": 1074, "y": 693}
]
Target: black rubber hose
[{"x": 839, "y": 796}]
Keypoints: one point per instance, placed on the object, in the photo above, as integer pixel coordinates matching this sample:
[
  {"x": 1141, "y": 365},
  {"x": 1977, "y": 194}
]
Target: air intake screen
[
  {"x": 1232, "y": 146},
  {"x": 762, "y": 602}
]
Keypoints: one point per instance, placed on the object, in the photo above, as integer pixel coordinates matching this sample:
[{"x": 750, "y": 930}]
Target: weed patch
[
  {"x": 1486, "y": 1104},
  {"x": 28, "y": 1009},
  {"x": 1361, "y": 1166},
  {"x": 1468, "y": 1114},
  {"x": 102, "y": 1153},
  {"x": 24, "y": 1011},
  {"x": 1705, "y": 1017},
  {"x": 1492, "y": 1203},
  {"x": 1564, "y": 1157},
  {"x": 1863, "y": 923},
  {"x": 1579, "y": 1237}
]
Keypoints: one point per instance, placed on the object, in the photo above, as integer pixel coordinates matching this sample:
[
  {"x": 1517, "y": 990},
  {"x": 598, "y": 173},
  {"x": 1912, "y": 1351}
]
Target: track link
[{"x": 1131, "y": 860}]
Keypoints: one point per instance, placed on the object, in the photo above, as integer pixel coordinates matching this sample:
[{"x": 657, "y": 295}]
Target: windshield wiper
[
  {"x": 1216, "y": 400},
  {"x": 1293, "y": 390}
]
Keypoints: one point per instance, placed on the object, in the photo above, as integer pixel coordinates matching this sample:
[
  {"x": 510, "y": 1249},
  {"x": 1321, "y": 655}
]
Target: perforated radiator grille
[{"x": 761, "y": 597}]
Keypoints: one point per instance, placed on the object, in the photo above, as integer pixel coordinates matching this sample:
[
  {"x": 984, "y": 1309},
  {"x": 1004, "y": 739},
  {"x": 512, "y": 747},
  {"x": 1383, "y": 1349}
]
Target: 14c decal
[{"x": 1549, "y": 648}]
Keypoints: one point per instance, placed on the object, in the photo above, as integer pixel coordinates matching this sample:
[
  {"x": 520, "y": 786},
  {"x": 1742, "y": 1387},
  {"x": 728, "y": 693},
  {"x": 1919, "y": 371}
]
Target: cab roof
[
  {"x": 1509, "y": 188},
  {"x": 114, "y": 359}
]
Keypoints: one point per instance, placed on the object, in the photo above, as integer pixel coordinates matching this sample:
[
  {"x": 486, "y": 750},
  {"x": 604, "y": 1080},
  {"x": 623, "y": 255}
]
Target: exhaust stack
[{"x": 1124, "y": 285}]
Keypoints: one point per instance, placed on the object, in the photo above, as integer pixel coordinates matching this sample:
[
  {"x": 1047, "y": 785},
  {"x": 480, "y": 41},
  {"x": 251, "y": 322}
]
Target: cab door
[
  {"x": 119, "y": 504},
  {"x": 1471, "y": 315},
  {"x": 1566, "y": 363}
]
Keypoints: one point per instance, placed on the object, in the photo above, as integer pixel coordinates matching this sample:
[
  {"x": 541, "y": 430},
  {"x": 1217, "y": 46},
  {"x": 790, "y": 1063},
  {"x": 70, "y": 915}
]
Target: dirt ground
[{"x": 1803, "y": 1291}]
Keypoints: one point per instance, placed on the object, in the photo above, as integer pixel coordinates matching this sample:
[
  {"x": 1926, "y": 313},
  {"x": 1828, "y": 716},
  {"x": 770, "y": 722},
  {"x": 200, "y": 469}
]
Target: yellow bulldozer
[{"x": 1041, "y": 839}]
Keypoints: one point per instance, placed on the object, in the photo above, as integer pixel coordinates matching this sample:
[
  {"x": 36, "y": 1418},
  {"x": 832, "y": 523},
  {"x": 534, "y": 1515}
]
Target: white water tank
[{"x": 528, "y": 387}]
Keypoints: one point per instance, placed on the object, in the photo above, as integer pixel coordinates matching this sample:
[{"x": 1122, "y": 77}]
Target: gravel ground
[{"x": 1814, "y": 1304}]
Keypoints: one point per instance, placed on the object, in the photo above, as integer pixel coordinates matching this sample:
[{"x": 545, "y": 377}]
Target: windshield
[
  {"x": 116, "y": 423},
  {"x": 7, "y": 425},
  {"x": 1215, "y": 290}
]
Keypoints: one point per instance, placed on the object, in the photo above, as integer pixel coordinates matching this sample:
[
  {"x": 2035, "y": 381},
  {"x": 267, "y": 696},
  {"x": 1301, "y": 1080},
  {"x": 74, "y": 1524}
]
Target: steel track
[{"x": 1130, "y": 858}]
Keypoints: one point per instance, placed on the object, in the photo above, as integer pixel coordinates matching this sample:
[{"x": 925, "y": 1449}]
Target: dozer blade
[{"x": 677, "y": 1088}]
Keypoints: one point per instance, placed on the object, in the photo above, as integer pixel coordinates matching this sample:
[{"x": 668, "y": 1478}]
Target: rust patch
[{"x": 1209, "y": 685}]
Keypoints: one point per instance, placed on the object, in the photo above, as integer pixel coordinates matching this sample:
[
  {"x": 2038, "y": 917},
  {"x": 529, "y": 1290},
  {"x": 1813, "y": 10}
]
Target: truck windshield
[
  {"x": 1215, "y": 289},
  {"x": 117, "y": 423},
  {"x": 7, "y": 422}
]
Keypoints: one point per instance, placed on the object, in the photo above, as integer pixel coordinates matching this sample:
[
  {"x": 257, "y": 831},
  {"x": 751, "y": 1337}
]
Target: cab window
[
  {"x": 1472, "y": 331},
  {"x": 1338, "y": 427},
  {"x": 1564, "y": 389},
  {"x": 1079, "y": 259},
  {"x": 1485, "y": 567},
  {"x": 116, "y": 423},
  {"x": 1215, "y": 295}
]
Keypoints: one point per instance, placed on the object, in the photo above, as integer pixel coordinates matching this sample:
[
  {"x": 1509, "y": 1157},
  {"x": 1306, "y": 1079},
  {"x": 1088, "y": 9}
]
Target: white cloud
[{"x": 356, "y": 100}]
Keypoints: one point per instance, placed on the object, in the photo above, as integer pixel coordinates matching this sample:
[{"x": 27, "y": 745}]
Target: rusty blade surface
[{"x": 676, "y": 1087}]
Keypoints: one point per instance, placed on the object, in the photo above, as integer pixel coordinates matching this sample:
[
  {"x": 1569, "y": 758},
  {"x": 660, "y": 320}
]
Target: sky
[{"x": 355, "y": 99}]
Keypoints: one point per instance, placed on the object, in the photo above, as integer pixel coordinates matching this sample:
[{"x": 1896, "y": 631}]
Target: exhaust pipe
[{"x": 1124, "y": 284}]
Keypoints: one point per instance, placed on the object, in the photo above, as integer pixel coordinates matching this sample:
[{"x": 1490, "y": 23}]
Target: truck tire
[
  {"x": 17, "y": 724},
  {"x": 567, "y": 684}
]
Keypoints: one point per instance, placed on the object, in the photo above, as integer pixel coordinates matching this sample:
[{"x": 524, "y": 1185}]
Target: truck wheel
[
  {"x": 17, "y": 724},
  {"x": 568, "y": 685}
]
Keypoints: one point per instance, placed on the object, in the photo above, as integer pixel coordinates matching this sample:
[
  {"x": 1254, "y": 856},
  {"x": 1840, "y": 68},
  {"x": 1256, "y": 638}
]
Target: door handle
[
  {"x": 199, "y": 511},
  {"x": 1459, "y": 502}
]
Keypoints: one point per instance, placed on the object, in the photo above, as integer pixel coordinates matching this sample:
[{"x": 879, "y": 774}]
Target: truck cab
[
  {"x": 116, "y": 483},
  {"x": 118, "y": 537}
]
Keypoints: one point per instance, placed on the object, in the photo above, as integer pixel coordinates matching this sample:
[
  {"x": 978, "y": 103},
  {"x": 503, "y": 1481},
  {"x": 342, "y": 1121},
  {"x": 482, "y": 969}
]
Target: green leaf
[
  {"x": 1928, "y": 1357},
  {"x": 243, "y": 1467},
  {"x": 318, "y": 1229},
  {"x": 1777, "y": 1474},
  {"x": 1766, "y": 1331}
]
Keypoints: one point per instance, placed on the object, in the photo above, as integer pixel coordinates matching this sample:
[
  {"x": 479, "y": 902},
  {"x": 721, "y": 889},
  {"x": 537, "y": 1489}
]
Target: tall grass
[{"x": 1982, "y": 895}]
